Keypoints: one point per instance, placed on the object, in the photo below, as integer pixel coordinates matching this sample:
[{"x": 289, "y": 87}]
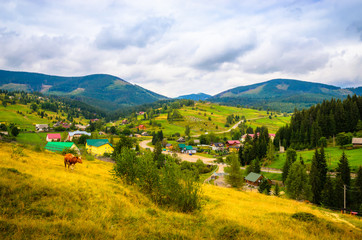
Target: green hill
[
  {"x": 39, "y": 199},
  {"x": 281, "y": 94},
  {"x": 100, "y": 90},
  {"x": 195, "y": 97}
]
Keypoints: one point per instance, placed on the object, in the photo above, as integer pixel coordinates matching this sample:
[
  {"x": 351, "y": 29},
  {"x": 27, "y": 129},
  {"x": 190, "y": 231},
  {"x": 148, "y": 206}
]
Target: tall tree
[
  {"x": 343, "y": 170},
  {"x": 297, "y": 182},
  {"x": 291, "y": 157},
  {"x": 234, "y": 177},
  {"x": 317, "y": 175}
]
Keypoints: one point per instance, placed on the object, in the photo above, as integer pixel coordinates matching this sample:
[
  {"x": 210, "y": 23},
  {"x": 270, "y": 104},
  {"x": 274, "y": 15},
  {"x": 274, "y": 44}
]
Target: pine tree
[
  {"x": 297, "y": 182},
  {"x": 327, "y": 197},
  {"x": 276, "y": 190},
  {"x": 241, "y": 156},
  {"x": 234, "y": 177},
  {"x": 290, "y": 159},
  {"x": 358, "y": 187},
  {"x": 343, "y": 170},
  {"x": 314, "y": 179}
]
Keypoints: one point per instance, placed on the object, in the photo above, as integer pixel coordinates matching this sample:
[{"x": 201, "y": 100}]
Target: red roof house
[
  {"x": 141, "y": 127},
  {"x": 53, "y": 137}
]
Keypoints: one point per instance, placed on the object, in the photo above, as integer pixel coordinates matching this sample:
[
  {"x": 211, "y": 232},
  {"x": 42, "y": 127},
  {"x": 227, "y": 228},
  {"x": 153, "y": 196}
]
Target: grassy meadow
[
  {"x": 333, "y": 154},
  {"x": 40, "y": 199},
  {"x": 197, "y": 117},
  {"x": 27, "y": 119}
]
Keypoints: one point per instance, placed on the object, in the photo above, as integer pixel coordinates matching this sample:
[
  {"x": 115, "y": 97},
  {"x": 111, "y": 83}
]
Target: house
[
  {"x": 145, "y": 134},
  {"x": 182, "y": 147},
  {"x": 81, "y": 127},
  {"x": 271, "y": 136},
  {"x": 141, "y": 127},
  {"x": 140, "y": 113},
  {"x": 234, "y": 149},
  {"x": 5, "y": 133},
  {"x": 254, "y": 179},
  {"x": 357, "y": 142},
  {"x": 76, "y": 134},
  {"x": 197, "y": 141},
  {"x": 217, "y": 146},
  {"x": 98, "y": 146},
  {"x": 94, "y": 120},
  {"x": 41, "y": 127},
  {"x": 53, "y": 137},
  {"x": 125, "y": 121},
  {"x": 169, "y": 146},
  {"x": 102, "y": 133},
  {"x": 181, "y": 139},
  {"x": 60, "y": 146},
  {"x": 190, "y": 150},
  {"x": 233, "y": 143}
]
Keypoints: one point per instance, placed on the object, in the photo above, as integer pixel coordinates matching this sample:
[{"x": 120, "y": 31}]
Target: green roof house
[
  {"x": 254, "y": 179},
  {"x": 60, "y": 146},
  {"x": 99, "y": 146}
]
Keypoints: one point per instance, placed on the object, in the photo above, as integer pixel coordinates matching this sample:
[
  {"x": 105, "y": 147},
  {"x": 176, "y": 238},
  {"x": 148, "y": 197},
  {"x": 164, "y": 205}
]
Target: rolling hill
[
  {"x": 39, "y": 199},
  {"x": 195, "y": 97},
  {"x": 282, "y": 94},
  {"x": 99, "y": 90}
]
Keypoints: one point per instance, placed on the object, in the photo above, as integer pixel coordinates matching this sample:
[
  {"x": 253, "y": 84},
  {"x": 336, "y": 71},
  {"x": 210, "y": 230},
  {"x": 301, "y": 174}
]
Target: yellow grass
[{"x": 45, "y": 201}]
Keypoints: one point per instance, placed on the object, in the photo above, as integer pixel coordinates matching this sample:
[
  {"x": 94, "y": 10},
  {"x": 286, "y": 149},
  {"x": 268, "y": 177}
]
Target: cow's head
[{"x": 79, "y": 159}]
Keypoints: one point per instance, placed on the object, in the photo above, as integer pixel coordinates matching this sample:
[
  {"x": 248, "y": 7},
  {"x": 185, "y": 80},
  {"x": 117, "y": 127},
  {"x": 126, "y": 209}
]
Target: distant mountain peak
[{"x": 195, "y": 96}]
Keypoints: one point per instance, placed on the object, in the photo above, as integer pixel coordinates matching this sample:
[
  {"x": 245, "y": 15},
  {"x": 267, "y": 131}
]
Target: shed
[
  {"x": 357, "y": 142},
  {"x": 76, "y": 134},
  {"x": 60, "y": 146},
  {"x": 181, "y": 139},
  {"x": 53, "y": 137},
  {"x": 253, "y": 179}
]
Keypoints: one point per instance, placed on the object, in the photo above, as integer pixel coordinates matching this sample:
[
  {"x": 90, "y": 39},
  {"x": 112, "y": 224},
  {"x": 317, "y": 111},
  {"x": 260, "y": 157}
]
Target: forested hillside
[{"x": 327, "y": 119}]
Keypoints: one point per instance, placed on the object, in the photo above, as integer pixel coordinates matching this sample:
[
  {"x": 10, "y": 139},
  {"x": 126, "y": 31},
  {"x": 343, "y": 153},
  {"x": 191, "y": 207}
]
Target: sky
[{"x": 183, "y": 47}]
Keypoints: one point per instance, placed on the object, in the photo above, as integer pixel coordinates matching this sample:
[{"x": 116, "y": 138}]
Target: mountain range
[
  {"x": 282, "y": 94},
  {"x": 110, "y": 92},
  {"x": 100, "y": 90}
]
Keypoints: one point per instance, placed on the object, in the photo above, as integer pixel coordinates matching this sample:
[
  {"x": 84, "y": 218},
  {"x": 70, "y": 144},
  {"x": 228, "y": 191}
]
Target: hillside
[
  {"x": 100, "y": 90},
  {"x": 195, "y": 97},
  {"x": 210, "y": 117},
  {"x": 39, "y": 199},
  {"x": 281, "y": 94}
]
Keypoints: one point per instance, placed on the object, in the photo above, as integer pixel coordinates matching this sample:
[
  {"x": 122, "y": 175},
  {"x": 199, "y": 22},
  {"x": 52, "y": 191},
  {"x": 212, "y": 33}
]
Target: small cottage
[
  {"x": 254, "y": 179},
  {"x": 357, "y": 142},
  {"x": 53, "y": 137},
  {"x": 76, "y": 134},
  {"x": 99, "y": 146},
  {"x": 41, "y": 127}
]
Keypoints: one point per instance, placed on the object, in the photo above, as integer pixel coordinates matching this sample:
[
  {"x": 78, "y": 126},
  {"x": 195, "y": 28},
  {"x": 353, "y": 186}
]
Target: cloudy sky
[{"x": 182, "y": 47}]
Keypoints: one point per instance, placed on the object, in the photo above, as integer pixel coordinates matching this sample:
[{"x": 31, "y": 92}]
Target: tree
[
  {"x": 234, "y": 177},
  {"x": 123, "y": 143},
  {"x": 297, "y": 185},
  {"x": 113, "y": 130},
  {"x": 15, "y": 131},
  {"x": 343, "y": 170},
  {"x": 158, "y": 157},
  {"x": 264, "y": 186},
  {"x": 358, "y": 187},
  {"x": 187, "y": 131},
  {"x": 276, "y": 190},
  {"x": 64, "y": 136},
  {"x": 270, "y": 152},
  {"x": 290, "y": 159},
  {"x": 328, "y": 197},
  {"x": 317, "y": 175}
]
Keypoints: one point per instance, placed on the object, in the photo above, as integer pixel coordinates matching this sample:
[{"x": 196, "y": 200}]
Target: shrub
[{"x": 304, "y": 216}]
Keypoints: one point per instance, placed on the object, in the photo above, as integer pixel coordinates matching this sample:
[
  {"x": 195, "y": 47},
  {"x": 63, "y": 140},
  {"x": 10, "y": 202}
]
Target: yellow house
[{"x": 99, "y": 146}]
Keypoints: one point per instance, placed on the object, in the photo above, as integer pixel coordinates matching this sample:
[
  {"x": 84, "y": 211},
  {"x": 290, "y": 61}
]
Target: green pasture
[
  {"x": 32, "y": 138},
  {"x": 333, "y": 154}
]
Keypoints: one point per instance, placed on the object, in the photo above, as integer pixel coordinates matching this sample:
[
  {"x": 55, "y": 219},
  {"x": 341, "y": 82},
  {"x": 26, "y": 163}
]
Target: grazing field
[
  {"x": 209, "y": 117},
  {"x": 27, "y": 119},
  {"x": 40, "y": 199},
  {"x": 333, "y": 154}
]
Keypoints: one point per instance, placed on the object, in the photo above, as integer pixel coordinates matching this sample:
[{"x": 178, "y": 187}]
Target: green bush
[
  {"x": 304, "y": 216},
  {"x": 168, "y": 185}
]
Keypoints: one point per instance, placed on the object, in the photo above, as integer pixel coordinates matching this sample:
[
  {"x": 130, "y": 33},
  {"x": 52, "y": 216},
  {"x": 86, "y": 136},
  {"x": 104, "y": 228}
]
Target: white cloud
[{"x": 178, "y": 47}]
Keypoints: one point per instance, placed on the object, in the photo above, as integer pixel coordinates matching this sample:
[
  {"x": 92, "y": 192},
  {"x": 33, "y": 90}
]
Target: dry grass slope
[{"x": 39, "y": 199}]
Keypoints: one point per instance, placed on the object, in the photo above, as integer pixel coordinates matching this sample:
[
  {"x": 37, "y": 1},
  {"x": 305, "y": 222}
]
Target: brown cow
[{"x": 70, "y": 159}]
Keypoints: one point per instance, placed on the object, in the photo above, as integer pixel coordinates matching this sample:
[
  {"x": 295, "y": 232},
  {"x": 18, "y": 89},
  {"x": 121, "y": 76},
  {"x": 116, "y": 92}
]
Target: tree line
[{"x": 324, "y": 120}]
